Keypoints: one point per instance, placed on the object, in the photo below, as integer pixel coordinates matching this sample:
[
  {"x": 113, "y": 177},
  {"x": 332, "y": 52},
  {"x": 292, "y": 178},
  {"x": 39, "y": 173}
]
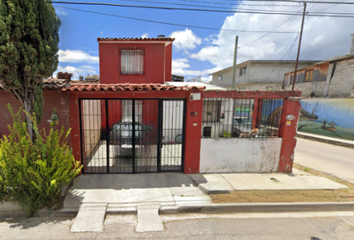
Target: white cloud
[
  {"x": 179, "y": 68},
  {"x": 145, "y": 35},
  {"x": 323, "y": 37},
  {"x": 185, "y": 40},
  {"x": 76, "y": 56},
  {"x": 207, "y": 79},
  {"x": 76, "y": 71},
  {"x": 101, "y": 33},
  {"x": 61, "y": 11}
]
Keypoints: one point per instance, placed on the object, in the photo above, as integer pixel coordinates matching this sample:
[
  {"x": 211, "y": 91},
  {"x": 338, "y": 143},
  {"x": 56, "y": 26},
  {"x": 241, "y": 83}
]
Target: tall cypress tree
[{"x": 29, "y": 38}]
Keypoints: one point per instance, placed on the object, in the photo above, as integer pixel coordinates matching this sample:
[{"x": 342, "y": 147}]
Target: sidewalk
[
  {"x": 324, "y": 139},
  {"x": 148, "y": 195}
]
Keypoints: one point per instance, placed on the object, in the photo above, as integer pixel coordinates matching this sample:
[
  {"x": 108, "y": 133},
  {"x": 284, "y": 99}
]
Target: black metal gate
[{"x": 132, "y": 135}]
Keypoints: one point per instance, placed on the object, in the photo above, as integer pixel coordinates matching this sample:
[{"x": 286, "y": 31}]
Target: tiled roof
[
  {"x": 127, "y": 87},
  {"x": 51, "y": 84},
  {"x": 136, "y": 39}
]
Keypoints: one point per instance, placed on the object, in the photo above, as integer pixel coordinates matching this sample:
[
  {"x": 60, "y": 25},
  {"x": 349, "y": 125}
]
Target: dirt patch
[{"x": 340, "y": 195}]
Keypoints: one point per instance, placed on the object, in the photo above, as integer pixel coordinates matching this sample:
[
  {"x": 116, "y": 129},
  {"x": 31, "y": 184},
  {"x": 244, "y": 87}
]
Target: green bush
[{"x": 34, "y": 173}]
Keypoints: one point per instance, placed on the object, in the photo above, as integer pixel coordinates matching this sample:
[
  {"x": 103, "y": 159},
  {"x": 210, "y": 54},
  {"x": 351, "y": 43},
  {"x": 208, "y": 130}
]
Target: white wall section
[{"x": 245, "y": 155}]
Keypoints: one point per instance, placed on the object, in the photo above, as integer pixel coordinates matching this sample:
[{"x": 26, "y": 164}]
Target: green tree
[{"x": 29, "y": 38}]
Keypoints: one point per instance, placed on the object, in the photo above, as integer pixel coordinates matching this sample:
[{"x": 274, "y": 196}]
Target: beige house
[{"x": 257, "y": 74}]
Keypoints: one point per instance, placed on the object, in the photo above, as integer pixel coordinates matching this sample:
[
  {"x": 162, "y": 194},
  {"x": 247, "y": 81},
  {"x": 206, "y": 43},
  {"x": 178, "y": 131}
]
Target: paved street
[
  {"x": 324, "y": 157},
  {"x": 288, "y": 226}
]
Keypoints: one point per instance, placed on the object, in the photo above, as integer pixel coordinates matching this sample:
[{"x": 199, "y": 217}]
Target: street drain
[{"x": 274, "y": 180}]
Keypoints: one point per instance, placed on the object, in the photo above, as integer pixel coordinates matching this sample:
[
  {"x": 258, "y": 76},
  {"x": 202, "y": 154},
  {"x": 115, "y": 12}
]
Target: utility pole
[
  {"x": 298, "y": 50},
  {"x": 235, "y": 57}
]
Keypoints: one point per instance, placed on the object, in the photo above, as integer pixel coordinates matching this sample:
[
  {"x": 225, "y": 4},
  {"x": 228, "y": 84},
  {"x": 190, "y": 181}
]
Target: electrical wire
[
  {"x": 215, "y": 3},
  {"x": 167, "y": 23},
  {"x": 321, "y": 2},
  {"x": 346, "y": 15}
]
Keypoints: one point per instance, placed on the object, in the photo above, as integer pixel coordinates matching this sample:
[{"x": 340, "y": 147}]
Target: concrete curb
[
  {"x": 259, "y": 208},
  {"x": 325, "y": 140},
  {"x": 210, "y": 208}
]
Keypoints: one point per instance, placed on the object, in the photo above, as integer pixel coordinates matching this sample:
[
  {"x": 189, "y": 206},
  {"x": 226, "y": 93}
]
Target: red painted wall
[
  {"x": 52, "y": 99},
  {"x": 192, "y": 133},
  {"x": 287, "y": 131},
  {"x": 168, "y": 63},
  {"x": 157, "y": 63}
]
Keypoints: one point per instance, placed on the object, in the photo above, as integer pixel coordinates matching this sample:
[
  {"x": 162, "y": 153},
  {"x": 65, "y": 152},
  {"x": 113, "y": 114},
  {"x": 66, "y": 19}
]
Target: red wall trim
[{"x": 251, "y": 94}]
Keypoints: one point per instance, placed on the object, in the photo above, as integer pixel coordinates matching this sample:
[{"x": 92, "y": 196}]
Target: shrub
[{"x": 35, "y": 173}]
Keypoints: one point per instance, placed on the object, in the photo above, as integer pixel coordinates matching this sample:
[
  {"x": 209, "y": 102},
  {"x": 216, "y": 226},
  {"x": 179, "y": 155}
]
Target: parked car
[{"x": 122, "y": 132}]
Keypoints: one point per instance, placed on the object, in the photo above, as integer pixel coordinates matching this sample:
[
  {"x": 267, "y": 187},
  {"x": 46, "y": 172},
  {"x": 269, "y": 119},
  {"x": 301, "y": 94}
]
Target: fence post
[{"x": 287, "y": 131}]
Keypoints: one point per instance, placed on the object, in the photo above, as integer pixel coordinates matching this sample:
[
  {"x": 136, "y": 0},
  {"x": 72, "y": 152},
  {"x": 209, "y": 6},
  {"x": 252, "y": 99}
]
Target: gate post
[
  {"x": 193, "y": 133},
  {"x": 287, "y": 132},
  {"x": 75, "y": 126}
]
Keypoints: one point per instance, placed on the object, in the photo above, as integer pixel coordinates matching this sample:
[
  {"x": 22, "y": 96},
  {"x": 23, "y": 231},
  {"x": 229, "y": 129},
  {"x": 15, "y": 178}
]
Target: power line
[
  {"x": 320, "y": 2},
  {"x": 167, "y": 23},
  {"x": 176, "y": 8},
  {"x": 218, "y": 3},
  {"x": 346, "y": 15}
]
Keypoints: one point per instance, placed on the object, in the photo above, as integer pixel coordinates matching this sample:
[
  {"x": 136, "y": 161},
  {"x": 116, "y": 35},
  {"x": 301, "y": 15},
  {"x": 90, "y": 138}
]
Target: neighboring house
[
  {"x": 136, "y": 120},
  {"x": 176, "y": 78},
  {"x": 327, "y": 96},
  {"x": 333, "y": 78},
  {"x": 257, "y": 74}
]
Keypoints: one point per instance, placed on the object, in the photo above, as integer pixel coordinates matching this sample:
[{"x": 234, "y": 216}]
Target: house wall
[
  {"x": 325, "y": 82},
  {"x": 247, "y": 155},
  {"x": 339, "y": 111},
  {"x": 266, "y": 72},
  {"x": 271, "y": 72},
  {"x": 192, "y": 135},
  {"x": 342, "y": 82},
  {"x": 52, "y": 99},
  {"x": 157, "y": 63},
  {"x": 259, "y": 86}
]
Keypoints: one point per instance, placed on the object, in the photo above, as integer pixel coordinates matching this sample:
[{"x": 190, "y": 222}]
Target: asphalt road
[
  {"x": 327, "y": 158},
  {"x": 231, "y": 226}
]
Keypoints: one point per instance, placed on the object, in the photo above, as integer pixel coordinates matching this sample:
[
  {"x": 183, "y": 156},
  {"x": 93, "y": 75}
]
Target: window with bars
[
  {"x": 270, "y": 117},
  {"x": 211, "y": 111},
  {"x": 132, "y": 61}
]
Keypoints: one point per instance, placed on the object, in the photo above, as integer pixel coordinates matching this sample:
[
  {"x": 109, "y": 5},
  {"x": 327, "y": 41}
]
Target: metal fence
[{"x": 228, "y": 117}]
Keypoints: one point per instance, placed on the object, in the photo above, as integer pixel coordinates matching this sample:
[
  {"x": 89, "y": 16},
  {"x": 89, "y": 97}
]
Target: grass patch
[{"x": 340, "y": 195}]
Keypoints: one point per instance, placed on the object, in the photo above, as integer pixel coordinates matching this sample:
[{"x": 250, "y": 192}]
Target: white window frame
[{"x": 132, "y": 61}]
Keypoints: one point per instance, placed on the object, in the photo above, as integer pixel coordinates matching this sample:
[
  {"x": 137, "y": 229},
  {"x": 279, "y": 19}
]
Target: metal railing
[{"x": 245, "y": 118}]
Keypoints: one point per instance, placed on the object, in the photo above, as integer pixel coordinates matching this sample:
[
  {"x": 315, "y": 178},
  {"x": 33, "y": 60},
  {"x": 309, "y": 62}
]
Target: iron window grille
[{"x": 270, "y": 117}]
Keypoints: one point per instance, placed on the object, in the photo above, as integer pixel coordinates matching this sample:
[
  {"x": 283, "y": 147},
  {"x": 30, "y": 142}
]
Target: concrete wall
[
  {"x": 259, "y": 86},
  {"x": 341, "y": 84},
  {"x": 342, "y": 81},
  {"x": 240, "y": 155},
  {"x": 271, "y": 72},
  {"x": 227, "y": 77},
  {"x": 338, "y": 111},
  {"x": 265, "y": 72}
]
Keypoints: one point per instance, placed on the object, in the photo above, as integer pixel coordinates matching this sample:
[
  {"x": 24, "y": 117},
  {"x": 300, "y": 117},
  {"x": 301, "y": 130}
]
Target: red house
[{"x": 136, "y": 120}]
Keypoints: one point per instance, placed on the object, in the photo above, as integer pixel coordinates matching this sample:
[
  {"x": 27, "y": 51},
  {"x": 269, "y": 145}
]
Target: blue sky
[{"x": 199, "y": 52}]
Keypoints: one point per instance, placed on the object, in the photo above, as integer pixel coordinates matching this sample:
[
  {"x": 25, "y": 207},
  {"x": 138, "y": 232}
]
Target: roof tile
[
  {"x": 79, "y": 87},
  {"x": 136, "y": 39}
]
